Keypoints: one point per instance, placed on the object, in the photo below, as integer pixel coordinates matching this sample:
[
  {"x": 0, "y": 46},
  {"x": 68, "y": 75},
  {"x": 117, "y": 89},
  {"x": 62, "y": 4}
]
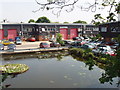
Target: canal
[{"x": 54, "y": 70}]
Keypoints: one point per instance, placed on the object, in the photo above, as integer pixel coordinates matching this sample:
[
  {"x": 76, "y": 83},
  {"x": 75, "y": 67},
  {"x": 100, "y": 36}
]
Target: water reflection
[
  {"x": 112, "y": 68},
  {"x": 69, "y": 72},
  {"x": 4, "y": 77},
  {"x": 42, "y": 55}
]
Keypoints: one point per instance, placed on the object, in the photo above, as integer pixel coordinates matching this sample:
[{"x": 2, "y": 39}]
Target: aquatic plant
[{"x": 13, "y": 68}]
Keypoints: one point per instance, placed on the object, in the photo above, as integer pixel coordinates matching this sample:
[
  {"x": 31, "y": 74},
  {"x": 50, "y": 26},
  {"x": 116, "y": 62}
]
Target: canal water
[{"x": 55, "y": 72}]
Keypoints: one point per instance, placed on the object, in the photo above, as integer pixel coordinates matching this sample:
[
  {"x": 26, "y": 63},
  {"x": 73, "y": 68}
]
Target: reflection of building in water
[{"x": 38, "y": 55}]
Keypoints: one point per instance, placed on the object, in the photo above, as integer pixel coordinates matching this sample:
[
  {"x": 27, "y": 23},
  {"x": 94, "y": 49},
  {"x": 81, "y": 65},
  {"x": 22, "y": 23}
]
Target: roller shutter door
[
  {"x": 12, "y": 33},
  {"x": 73, "y": 32},
  {"x": 64, "y": 32},
  {"x": 1, "y": 34}
]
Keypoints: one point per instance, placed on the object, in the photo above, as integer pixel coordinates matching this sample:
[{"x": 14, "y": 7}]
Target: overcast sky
[{"x": 21, "y": 11}]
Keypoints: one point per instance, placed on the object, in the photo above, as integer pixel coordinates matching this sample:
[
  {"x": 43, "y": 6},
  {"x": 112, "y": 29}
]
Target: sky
[{"x": 22, "y": 11}]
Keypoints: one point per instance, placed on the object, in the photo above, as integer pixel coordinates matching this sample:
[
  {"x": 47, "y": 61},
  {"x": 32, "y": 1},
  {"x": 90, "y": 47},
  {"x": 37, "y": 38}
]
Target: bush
[{"x": 59, "y": 38}]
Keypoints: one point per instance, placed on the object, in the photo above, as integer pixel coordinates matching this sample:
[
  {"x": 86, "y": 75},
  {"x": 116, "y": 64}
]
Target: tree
[
  {"x": 98, "y": 19},
  {"x": 59, "y": 38},
  {"x": 55, "y": 22},
  {"x": 31, "y": 20},
  {"x": 79, "y": 21},
  {"x": 98, "y": 36},
  {"x": 58, "y": 5},
  {"x": 43, "y": 20},
  {"x": 114, "y": 8},
  {"x": 65, "y": 22}
]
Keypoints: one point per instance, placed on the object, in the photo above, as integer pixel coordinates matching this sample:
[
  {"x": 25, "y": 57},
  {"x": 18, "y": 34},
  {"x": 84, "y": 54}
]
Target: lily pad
[{"x": 13, "y": 68}]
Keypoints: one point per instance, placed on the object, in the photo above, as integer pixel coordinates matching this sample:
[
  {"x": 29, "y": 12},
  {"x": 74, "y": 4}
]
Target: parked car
[
  {"x": 104, "y": 47},
  {"x": 86, "y": 46},
  {"x": 109, "y": 43},
  {"x": 7, "y": 42},
  {"x": 68, "y": 42},
  {"x": 82, "y": 38},
  {"x": 44, "y": 45},
  {"x": 115, "y": 46},
  {"x": 18, "y": 42},
  {"x": 11, "y": 47},
  {"x": 1, "y": 47},
  {"x": 83, "y": 42},
  {"x": 110, "y": 52},
  {"x": 54, "y": 44},
  {"x": 52, "y": 40},
  {"x": 31, "y": 39},
  {"x": 77, "y": 38},
  {"x": 17, "y": 38},
  {"x": 11, "y": 40},
  {"x": 87, "y": 38},
  {"x": 97, "y": 42},
  {"x": 76, "y": 43}
]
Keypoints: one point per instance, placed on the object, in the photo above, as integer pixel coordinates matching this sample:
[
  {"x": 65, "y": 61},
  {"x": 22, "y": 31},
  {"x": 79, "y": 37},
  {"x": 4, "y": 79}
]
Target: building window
[
  {"x": 103, "y": 29},
  {"x": 37, "y": 30},
  {"x": 96, "y": 29},
  {"x": 48, "y": 29},
  {"x": 115, "y": 29},
  {"x": 29, "y": 29},
  {"x": 79, "y": 29},
  {"x": 43, "y": 29},
  {"x": 88, "y": 29}
]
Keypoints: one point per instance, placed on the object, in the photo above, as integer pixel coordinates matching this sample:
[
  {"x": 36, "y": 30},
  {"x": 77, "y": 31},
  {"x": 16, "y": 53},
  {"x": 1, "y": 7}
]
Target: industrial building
[
  {"x": 46, "y": 31},
  {"x": 110, "y": 30}
]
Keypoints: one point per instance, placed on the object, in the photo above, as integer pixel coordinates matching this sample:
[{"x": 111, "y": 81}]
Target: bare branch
[
  {"x": 111, "y": 6},
  {"x": 91, "y": 7},
  {"x": 59, "y": 5}
]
